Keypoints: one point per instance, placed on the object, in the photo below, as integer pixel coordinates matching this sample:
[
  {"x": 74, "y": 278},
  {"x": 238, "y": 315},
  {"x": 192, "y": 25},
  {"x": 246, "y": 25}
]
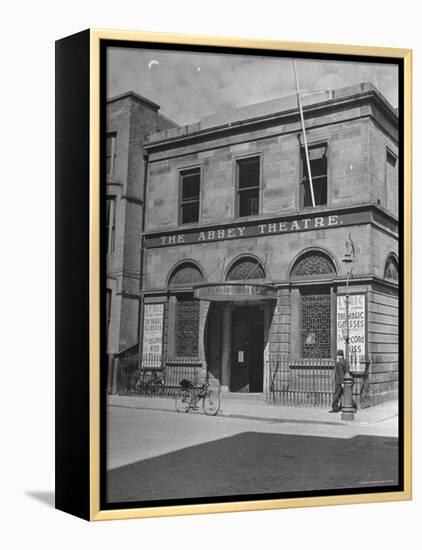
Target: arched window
[
  {"x": 186, "y": 309},
  {"x": 391, "y": 270},
  {"x": 315, "y": 304},
  {"x": 185, "y": 275},
  {"x": 313, "y": 264},
  {"x": 246, "y": 268}
]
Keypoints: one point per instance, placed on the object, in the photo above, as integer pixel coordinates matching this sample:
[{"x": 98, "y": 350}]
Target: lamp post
[{"x": 348, "y": 412}]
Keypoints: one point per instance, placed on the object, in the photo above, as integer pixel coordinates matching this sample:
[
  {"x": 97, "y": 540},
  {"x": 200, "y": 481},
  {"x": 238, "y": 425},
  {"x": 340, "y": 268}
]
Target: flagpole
[{"x": 305, "y": 141}]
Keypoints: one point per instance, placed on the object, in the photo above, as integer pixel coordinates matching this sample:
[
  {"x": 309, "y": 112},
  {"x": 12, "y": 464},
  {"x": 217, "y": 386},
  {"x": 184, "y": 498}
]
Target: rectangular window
[
  {"x": 110, "y": 223},
  {"x": 318, "y": 163},
  {"x": 391, "y": 159},
  {"x": 110, "y": 155},
  {"x": 190, "y": 188},
  {"x": 108, "y": 308},
  {"x": 247, "y": 186},
  {"x": 391, "y": 182},
  {"x": 187, "y": 326}
]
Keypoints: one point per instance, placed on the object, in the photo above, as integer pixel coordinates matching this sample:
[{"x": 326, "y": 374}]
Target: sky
[{"x": 189, "y": 86}]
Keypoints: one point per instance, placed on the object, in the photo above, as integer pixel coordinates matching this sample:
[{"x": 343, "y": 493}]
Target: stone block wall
[
  {"x": 118, "y": 121},
  {"x": 128, "y": 331},
  {"x": 280, "y": 333},
  {"x": 356, "y": 163},
  {"x": 281, "y": 172},
  {"x": 382, "y": 244},
  {"x": 383, "y": 345},
  {"x": 385, "y": 180},
  {"x": 276, "y": 252}
]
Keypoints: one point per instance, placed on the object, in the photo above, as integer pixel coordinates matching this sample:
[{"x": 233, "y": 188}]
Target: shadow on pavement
[{"x": 255, "y": 463}]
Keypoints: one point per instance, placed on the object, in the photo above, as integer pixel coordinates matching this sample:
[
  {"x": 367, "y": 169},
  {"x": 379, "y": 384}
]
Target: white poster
[
  {"x": 357, "y": 332},
  {"x": 153, "y": 329}
]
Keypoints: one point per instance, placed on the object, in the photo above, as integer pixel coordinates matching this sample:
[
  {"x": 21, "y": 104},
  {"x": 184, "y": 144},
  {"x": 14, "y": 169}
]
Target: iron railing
[
  {"x": 310, "y": 382},
  {"x": 154, "y": 376},
  {"x": 305, "y": 382}
]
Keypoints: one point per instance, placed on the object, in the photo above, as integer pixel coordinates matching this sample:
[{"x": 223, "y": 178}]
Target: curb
[{"x": 223, "y": 414}]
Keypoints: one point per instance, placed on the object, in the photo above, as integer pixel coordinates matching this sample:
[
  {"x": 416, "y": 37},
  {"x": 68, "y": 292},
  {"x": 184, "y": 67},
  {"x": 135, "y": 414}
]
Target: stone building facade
[{"x": 239, "y": 268}]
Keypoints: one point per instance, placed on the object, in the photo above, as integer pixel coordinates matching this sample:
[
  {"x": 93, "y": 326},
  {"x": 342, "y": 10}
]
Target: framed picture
[{"x": 233, "y": 274}]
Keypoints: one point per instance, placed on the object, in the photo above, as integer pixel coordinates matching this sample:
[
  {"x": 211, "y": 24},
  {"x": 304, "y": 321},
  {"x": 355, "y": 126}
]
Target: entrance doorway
[{"x": 247, "y": 353}]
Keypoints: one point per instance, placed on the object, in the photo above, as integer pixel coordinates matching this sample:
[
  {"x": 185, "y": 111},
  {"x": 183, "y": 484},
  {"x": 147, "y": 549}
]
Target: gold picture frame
[{"x": 85, "y": 499}]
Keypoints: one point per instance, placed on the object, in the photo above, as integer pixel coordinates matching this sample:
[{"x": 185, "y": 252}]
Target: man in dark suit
[{"x": 339, "y": 372}]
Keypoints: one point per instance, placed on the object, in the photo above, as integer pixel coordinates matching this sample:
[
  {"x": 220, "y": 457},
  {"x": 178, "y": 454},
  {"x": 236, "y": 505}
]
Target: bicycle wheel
[
  {"x": 211, "y": 402},
  {"x": 183, "y": 401}
]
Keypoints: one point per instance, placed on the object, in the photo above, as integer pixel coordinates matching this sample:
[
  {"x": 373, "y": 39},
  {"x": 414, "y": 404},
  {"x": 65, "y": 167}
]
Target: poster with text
[
  {"x": 357, "y": 329},
  {"x": 153, "y": 329}
]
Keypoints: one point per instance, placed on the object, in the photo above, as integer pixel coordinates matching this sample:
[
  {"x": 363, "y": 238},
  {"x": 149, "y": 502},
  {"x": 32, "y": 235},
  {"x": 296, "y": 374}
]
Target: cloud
[{"x": 227, "y": 81}]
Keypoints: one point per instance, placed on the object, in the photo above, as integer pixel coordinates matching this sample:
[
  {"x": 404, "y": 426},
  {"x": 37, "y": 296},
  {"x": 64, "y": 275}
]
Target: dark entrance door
[{"x": 247, "y": 357}]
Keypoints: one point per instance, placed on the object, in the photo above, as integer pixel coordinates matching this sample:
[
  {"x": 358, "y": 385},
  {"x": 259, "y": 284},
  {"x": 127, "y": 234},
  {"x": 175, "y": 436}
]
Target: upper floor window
[
  {"x": 247, "y": 186},
  {"x": 190, "y": 190},
  {"x": 391, "y": 160},
  {"x": 110, "y": 223},
  {"x": 110, "y": 155},
  {"x": 391, "y": 186},
  {"x": 318, "y": 164}
]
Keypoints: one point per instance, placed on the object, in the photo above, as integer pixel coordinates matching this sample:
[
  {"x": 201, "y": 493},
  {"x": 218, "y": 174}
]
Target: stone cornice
[
  {"x": 247, "y": 125},
  {"x": 363, "y": 279}
]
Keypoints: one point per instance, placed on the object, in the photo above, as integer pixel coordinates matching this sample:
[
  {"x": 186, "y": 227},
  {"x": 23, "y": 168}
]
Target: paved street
[{"x": 156, "y": 454}]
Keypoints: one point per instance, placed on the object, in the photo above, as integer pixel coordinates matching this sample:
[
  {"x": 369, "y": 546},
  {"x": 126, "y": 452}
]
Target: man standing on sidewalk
[{"x": 339, "y": 372}]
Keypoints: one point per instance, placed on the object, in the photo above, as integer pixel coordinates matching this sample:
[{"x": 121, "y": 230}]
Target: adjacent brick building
[
  {"x": 239, "y": 268},
  {"x": 130, "y": 118}
]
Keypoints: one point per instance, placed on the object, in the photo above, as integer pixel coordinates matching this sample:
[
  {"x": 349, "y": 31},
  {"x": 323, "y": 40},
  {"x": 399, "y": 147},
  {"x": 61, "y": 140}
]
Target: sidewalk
[{"x": 254, "y": 407}]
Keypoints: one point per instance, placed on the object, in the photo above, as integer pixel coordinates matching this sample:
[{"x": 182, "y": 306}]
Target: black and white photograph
[{"x": 252, "y": 236}]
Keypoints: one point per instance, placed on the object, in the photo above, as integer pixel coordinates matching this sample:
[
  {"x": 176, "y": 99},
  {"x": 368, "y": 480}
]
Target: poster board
[{"x": 357, "y": 329}]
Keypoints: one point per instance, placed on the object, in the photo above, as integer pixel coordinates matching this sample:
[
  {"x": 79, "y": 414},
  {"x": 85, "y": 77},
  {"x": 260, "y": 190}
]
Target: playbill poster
[
  {"x": 153, "y": 329},
  {"x": 357, "y": 326}
]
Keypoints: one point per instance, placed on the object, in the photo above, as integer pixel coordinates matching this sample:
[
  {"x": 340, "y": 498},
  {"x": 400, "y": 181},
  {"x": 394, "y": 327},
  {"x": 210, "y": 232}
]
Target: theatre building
[{"x": 243, "y": 268}]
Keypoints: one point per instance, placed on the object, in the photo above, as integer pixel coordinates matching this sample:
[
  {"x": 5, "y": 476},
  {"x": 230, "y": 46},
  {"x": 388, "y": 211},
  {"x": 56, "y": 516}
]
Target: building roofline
[
  {"x": 137, "y": 97},
  {"x": 363, "y": 91}
]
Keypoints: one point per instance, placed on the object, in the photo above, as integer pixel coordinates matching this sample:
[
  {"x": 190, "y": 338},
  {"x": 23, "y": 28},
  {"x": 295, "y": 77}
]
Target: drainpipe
[{"x": 141, "y": 259}]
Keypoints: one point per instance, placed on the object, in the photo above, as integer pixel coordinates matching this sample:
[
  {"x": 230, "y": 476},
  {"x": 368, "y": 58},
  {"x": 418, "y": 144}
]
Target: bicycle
[
  {"x": 189, "y": 395},
  {"x": 154, "y": 386}
]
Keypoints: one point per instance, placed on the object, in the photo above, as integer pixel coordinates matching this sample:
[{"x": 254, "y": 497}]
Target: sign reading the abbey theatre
[{"x": 257, "y": 228}]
